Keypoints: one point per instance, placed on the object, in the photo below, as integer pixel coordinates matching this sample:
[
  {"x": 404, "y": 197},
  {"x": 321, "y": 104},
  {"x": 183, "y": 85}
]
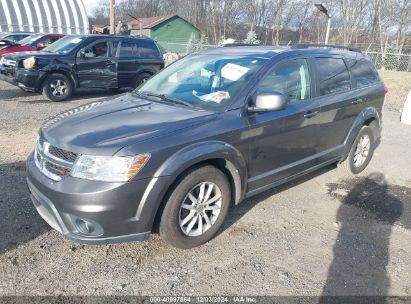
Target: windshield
[
  {"x": 31, "y": 40},
  {"x": 204, "y": 81},
  {"x": 65, "y": 45}
]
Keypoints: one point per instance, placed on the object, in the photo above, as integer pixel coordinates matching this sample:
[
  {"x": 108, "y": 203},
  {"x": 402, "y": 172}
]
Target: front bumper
[
  {"x": 116, "y": 212},
  {"x": 27, "y": 80}
]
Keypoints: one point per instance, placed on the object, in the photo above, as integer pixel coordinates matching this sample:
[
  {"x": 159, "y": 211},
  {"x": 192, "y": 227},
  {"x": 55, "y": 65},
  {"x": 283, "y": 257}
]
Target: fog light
[{"x": 84, "y": 226}]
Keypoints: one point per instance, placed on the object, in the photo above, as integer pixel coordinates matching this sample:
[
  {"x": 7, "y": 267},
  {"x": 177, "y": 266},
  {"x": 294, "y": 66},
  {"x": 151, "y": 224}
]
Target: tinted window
[
  {"x": 333, "y": 75},
  {"x": 363, "y": 73},
  {"x": 148, "y": 49},
  {"x": 127, "y": 49},
  {"x": 290, "y": 78}
]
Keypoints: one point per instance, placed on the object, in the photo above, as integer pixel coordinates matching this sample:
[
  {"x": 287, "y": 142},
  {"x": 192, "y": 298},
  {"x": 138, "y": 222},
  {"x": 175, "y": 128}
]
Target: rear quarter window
[
  {"x": 363, "y": 73},
  {"x": 333, "y": 75}
]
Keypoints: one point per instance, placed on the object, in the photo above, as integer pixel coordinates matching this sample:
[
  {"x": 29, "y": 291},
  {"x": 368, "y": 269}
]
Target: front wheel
[
  {"x": 361, "y": 151},
  {"x": 196, "y": 208},
  {"x": 57, "y": 87}
]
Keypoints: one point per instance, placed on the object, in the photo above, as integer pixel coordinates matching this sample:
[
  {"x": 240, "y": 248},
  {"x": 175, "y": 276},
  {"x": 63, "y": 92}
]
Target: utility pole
[{"x": 112, "y": 17}]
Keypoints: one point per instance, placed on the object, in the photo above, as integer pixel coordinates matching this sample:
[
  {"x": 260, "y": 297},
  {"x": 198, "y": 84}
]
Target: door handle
[
  {"x": 357, "y": 101},
  {"x": 109, "y": 62},
  {"x": 310, "y": 114}
]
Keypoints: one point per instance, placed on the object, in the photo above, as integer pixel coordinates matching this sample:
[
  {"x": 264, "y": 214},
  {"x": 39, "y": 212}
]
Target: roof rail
[
  {"x": 339, "y": 47},
  {"x": 239, "y": 44}
]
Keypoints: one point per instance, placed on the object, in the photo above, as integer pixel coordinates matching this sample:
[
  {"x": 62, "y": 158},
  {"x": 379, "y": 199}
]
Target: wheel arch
[
  {"x": 143, "y": 70},
  {"x": 220, "y": 155},
  {"x": 64, "y": 72},
  {"x": 367, "y": 117}
]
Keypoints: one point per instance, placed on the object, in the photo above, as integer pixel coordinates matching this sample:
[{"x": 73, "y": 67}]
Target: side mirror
[
  {"x": 40, "y": 45},
  {"x": 82, "y": 53},
  {"x": 268, "y": 102}
]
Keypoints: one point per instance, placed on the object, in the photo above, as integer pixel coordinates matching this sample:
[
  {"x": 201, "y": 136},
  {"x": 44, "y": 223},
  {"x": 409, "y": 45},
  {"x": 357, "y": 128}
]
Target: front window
[
  {"x": 99, "y": 49},
  {"x": 31, "y": 40},
  {"x": 204, "y": 81},
  {"x": 290, "y": 78},
  {"x": 65, "y": 45}
]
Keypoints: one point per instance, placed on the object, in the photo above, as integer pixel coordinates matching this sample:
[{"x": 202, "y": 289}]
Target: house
[{"x": 172, "y": 33}]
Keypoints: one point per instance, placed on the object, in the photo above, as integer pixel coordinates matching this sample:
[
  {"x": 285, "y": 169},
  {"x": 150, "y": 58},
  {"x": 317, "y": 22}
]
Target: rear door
[
  {"x": 96, "y": 65},
  {"x": 127, "y": 63},
  {"x": 339, "y": 106}
]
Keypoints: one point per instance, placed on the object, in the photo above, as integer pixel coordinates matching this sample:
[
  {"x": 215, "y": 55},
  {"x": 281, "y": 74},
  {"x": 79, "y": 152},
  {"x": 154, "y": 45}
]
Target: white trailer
[{"x": 44, "y": 16}]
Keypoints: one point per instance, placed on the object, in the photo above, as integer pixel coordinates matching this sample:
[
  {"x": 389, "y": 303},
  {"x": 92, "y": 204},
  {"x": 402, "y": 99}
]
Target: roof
[
  {"x": 150, "y": 22},
  {"x": 271, "y": 51}
]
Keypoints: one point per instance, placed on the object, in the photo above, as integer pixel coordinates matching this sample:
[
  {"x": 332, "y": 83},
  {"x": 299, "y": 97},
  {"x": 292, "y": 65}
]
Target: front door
[
  {"x": 96, "y": 66},
  {"x": 284, "y": 143}
]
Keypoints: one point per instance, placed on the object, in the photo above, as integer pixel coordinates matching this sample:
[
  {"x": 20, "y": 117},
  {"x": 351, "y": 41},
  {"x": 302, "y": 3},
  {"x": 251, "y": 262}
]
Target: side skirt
[{"x": 290, "y": 178}]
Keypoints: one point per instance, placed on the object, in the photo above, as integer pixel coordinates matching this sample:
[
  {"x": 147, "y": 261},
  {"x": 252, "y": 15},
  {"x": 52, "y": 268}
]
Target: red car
[{"x": 34, "y": 42}]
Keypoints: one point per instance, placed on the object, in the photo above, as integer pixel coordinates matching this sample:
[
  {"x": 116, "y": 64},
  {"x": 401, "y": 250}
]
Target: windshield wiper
[{"x": 168, "y": 98}]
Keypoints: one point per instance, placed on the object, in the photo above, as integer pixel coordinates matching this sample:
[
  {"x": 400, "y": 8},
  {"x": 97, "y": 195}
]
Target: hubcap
[
  {"x": 200, "y": 209},
  {"x": 362, "y": 150},
  {"x": 58, "y": 87}
]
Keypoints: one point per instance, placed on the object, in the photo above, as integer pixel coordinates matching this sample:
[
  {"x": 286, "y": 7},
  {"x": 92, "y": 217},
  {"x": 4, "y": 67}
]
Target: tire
[
  {"x": 142, "y": 78},
  {"x": 353, "y": 164},
  {"x": 173, "y": 228},
  {"x": 57, "y": 87}
]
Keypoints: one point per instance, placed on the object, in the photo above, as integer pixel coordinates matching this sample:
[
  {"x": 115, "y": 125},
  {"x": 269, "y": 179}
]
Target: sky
[{"x": 90, "y": 5}]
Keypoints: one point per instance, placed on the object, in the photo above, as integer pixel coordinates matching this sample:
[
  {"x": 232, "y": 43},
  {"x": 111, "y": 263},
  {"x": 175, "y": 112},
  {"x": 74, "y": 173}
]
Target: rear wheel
[
  {"x": 142, "y": 78},
  {"x": 57, "y": 87},
  {"x": 361, "y": 151},
  {"x": 196, "y": 208}
]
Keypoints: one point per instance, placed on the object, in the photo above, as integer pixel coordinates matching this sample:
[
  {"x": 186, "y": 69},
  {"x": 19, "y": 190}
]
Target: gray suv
[{"x": 207, "y": 132}]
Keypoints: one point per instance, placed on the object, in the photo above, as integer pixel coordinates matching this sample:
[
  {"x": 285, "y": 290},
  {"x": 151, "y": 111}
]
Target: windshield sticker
[
  {"x": 233, "y": 71},
  {"x": 216, "y": 97},
  {"x": 75, "y": 40}
]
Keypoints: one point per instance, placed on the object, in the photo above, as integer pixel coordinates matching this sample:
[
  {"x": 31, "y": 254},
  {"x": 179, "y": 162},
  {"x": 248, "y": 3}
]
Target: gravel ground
[{"x": 328, "y": 233}]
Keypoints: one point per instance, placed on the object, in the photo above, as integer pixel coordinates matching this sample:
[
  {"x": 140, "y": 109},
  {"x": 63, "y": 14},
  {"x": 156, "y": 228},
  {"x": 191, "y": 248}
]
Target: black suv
[
  {"x": 89, "y": 61},
  {"x": 205, "y": 133}
]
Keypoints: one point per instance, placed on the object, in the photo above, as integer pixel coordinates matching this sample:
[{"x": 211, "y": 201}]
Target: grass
[{"x": 398, "y": 84}]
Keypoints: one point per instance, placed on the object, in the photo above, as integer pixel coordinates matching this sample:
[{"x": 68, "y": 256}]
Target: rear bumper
[
  {"x": 94, "y": 212},
  {"x": 27, "y": 80}
]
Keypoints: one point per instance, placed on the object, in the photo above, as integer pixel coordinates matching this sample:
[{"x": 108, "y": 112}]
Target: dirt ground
[
  {"x": 329, "y": 233},
  {"x": 398, "y": 84}
]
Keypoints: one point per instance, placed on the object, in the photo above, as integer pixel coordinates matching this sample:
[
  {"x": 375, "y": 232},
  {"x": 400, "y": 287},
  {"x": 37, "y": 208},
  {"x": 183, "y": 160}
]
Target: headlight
[
  {"x": 108, "y": 168},
  {"x": 29, "y": 63}
]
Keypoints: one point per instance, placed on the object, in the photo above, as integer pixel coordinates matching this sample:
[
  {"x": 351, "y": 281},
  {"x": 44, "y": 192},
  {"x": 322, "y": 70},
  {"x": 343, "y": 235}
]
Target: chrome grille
[
  {"x": 53, "y": 162},
  {"x": 63, "y": 154}
]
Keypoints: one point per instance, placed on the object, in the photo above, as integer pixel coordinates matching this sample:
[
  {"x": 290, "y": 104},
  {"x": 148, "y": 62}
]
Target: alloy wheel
[
  {"x": 200, "y": 209},
  {"x": 58, "y": 87},
  {"x": 362, "y": 150}
]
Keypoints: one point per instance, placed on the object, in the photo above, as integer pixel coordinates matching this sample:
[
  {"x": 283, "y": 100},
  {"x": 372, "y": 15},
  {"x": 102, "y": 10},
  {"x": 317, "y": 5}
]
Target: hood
[
  {"x": 104, "y": 127},
  {"x": 37, "y": 54},
  {"x": 16, "y": 48}
]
